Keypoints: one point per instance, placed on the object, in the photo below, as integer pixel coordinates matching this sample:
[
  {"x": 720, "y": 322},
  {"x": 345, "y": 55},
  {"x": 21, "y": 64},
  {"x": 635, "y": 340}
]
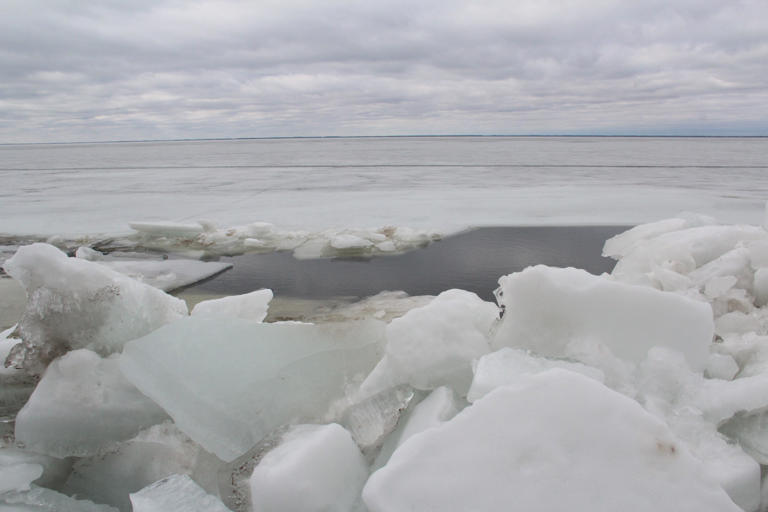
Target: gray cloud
[{"x": 175, "y": 69}]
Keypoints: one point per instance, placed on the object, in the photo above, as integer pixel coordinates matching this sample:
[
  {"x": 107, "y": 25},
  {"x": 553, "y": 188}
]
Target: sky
[{"x": 169, "y": 69}]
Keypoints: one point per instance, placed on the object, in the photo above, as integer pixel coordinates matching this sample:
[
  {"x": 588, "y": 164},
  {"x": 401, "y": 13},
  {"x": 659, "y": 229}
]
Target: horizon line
[{"x": 411, "y": 136}]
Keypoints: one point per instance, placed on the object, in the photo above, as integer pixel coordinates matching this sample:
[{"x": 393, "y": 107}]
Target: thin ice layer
[
  {"x": 228, "y": 384},
  {"x": 553, "y": 441},
  {"x": 166, "y": 274},
  {"x": 548, "y": 308}
]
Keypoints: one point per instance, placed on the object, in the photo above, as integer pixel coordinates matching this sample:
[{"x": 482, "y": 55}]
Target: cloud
[{"x": 168, "y": 69}]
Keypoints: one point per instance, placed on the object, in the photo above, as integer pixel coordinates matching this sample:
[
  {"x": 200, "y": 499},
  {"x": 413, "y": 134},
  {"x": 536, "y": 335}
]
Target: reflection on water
[{"x": 471, "y": 261}]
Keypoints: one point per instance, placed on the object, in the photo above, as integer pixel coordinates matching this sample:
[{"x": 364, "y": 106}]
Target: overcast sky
[{"x": 140, "y": 69}]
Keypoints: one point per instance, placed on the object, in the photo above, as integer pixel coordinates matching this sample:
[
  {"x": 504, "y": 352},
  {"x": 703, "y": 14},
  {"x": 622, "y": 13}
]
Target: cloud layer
[{"x": 116, "y": 70}]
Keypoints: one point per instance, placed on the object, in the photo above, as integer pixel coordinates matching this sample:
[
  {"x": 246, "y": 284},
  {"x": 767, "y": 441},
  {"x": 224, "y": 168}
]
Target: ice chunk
[
  {"x": 73, "y": 303},
  {"x": 506, "y": 365},
  {"x": 128, "y": 467},
  {"x": 251, "y": 306},
  {"x": 547, "y": 308},
  {"x": 167, "y": 229},
  {"x": 542, "y": 445},
  {"x": 623, "y": 243},
  {"x": 435, "y": 344},
  {"x": 669, "y": 389},
  {"x": 721, "y": 366},
  {"x": 40, "y": 499},
  {"x": 761, "y": 287},
  {"x": 372, "y": 419},
  {"x": 15, "y": 384},
  {"x": 228, "y": 384},
  {"x": 721, "y": 399},
  {"x": 437, "y": 408},
  {"x": 83, "y": 404},
  {"x": 20, "y": 468},
  {"x": 346, "y": 241},
  {"x": 167, "y": 274},
  {"x": 176, "y": 493},
  {"x": 685, "y": 249},
  {"x": 18, "y": 477},
  {"x": 751, "y": 431},
  {"x": 315, "y": 468}
]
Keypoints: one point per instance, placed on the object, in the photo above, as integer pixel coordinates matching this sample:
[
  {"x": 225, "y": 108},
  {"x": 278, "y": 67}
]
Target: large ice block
[
  {"x": 548, "y": 308},
  {"x": 554, "y": 441},
  {"x": 83, "y": 404},
  {"x": 435, "y": 344},
  {"x": 315, "y": 468},
  {"x": 228, "y": 384},
  {"x": 74, "y": 303},
  {"x": 153, "y": 454}
]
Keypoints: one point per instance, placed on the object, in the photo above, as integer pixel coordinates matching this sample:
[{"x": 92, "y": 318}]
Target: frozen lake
[{"x": 440, "y": 183}]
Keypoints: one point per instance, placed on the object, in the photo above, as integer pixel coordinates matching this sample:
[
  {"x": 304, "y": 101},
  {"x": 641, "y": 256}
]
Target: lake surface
[
  {"x": 472, "y": 261},
  {"x": 440, "y": 183}
]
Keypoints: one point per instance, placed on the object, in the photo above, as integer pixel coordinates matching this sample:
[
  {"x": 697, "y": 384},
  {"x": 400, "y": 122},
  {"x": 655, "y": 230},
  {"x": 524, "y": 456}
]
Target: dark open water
[{"x": 471, "y": 261}]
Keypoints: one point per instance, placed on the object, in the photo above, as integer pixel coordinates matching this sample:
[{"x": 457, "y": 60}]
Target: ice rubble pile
[
  {"x": 642, "y": 390},
  {"x": 264, "y": 237}
]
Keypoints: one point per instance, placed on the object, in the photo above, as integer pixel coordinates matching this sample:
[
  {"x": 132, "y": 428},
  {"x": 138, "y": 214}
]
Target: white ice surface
[
  {"x": 249, "y": 306},
  {"x": 506, "y": 365},
  {"x": 546, "y": 309},
  {"x": 435, "y": 344},
  {"x": 228, "y": 384},
  {"x": 315, "y": 468},
  {"x": 176, "y": 493},
  {"x": 552, "y": 441},
  {"x": 82, "y": 405},
  {"x": 434, "y": 184},
  {"x": 168, "y": 274}
]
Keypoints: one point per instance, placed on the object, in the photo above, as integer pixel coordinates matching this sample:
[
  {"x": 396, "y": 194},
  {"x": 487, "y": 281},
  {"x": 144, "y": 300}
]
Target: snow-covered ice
[
  {"x": 552, "y": 441},
  {"x": 315, "y": 468},
  {"x": 74, "y": 303},
  {"x": 435, "y": 344},
  {"x": 546, "y": 309}
]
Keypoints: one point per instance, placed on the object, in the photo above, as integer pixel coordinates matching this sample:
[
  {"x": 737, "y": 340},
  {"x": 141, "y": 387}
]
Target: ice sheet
[{"x": 436, "y": 184}]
